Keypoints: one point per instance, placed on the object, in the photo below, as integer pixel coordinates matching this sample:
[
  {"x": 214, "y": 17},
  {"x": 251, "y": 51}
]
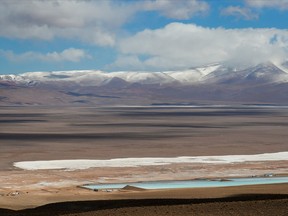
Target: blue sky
[{"x": 151, "y": 35}]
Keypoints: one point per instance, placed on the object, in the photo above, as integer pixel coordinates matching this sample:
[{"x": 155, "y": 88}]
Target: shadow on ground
[{"x": 73, "y": 208}]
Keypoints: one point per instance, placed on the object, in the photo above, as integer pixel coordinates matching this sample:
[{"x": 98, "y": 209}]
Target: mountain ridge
[
  {"x": 214, "y": 83},
  {"x": 186, "y": 77}
]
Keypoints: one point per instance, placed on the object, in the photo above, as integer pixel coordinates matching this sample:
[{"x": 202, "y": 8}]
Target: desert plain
[{"x": 104, "y": 133}]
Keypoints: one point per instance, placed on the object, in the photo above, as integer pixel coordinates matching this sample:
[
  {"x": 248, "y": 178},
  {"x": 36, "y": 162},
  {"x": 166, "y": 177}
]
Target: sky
[{"x": 140, "y": 35}]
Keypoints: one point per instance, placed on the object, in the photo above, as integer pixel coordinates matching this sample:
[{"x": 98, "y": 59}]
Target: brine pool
[{"x": 192, "y": 183}]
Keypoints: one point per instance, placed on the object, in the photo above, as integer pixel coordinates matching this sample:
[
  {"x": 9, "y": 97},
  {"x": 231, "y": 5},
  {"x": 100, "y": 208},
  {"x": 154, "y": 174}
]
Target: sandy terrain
[
  {"x": 28, "y": 134},
  {"x": 71, "y": 133}
]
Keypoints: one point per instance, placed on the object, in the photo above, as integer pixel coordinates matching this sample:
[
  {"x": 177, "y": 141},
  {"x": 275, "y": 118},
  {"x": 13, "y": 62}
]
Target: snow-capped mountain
[
  {"x": 267, "y": 72},
  {"x": 211, "y": 82},
  {"x": 193, "y": 75},
  {"x": 262, "y": 73}
]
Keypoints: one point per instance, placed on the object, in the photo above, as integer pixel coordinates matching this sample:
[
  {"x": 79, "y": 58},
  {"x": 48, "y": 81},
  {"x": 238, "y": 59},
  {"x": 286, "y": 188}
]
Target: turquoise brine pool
[{"x": 192, "y": 183}]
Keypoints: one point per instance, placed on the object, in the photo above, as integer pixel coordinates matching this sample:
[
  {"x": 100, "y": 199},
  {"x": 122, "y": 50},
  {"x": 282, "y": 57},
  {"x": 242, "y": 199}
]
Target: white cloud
[
  {"x": 127, "y": 61},
  {"x": 94, "y": 22},
  {"x": 278, "y": 4},
  {"x": 180, "y": 45},
  {"x": 239, "y": 13},
  {"x": 180, "y": 9},
  {"x": 71, "y": 55}
]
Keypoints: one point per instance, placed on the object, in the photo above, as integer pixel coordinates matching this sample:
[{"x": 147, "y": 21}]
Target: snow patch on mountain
[
  {"x": 193, "y": 75},
  {"x": 213, "y": 73},
  {"x": 205, "y": 70},
  {"x": 143, "y": 77},
  {"x": 282, "y": 66}
]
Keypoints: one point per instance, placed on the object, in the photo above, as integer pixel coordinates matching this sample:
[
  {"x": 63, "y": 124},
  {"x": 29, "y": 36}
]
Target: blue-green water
[{"x": 192, "y": 183}]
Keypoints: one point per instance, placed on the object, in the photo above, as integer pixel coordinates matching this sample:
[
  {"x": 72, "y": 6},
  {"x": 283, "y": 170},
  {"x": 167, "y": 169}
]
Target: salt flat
[{"x": 136, "y": 162}]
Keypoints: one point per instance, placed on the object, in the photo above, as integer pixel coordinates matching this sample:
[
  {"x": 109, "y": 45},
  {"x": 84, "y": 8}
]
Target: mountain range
[{"x": 265, "y": 83}]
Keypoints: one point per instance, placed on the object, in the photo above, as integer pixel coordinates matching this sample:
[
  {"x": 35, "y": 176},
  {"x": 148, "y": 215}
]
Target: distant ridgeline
[{"x": 211, "y": 84}]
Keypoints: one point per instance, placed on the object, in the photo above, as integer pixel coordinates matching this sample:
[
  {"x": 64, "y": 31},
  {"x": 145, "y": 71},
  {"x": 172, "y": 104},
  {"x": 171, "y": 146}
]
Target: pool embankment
[{"x": 200, "y": 183}]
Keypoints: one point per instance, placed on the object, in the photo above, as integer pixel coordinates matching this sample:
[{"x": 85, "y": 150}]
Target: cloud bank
[
  {"x": 179, "y": 45},
  {"x": 174, "y": 46},
  {"x": 93, "y": 22},
  {"x": 70, "y": 55}
]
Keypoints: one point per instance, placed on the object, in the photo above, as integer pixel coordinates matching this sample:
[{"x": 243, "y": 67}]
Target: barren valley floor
[{"x": 53, "y": 133}]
